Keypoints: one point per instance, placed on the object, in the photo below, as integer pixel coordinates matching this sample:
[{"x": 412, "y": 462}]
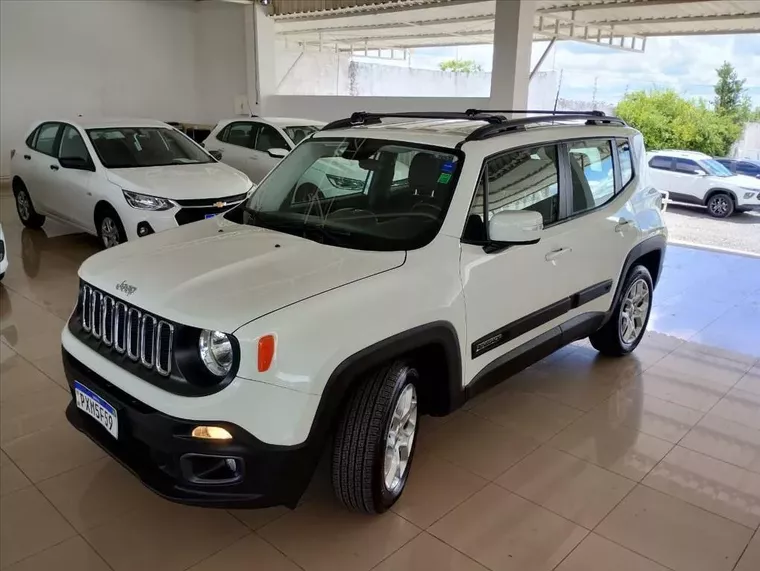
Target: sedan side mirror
[
  {"x": 76, "y": 163},
  {"x": 515, "y": 227},
  {"x": 278, "y": 153},
  {"x": 216, "y": 154}
]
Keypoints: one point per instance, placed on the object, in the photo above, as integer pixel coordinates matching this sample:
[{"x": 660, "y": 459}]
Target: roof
[
  {"x": 104, "y": 122},
  {"x": 623, "y": 24},
  {"x": 277, "y": 121},
  {"x": 680, "y": 154}
]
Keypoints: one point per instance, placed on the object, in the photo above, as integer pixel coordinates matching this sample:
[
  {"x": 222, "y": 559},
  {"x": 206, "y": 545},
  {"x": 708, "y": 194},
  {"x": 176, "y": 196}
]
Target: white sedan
[{"x": 119, "y": 179}]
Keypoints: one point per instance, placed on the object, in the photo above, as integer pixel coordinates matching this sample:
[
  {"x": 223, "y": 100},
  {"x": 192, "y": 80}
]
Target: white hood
[
  {"x": 746, "y": 181},
  {"x": 210, "y": 180},
  {"x": 220, "y": 275}
]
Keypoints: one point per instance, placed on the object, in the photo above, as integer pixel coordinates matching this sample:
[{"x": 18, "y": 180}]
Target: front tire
[
  {"x": 624, "y": 330},
  {"x": 375, "y": 440},
  {"x": 720, "y": 205},
  {"x": 110, "y": 229},
  {"x": 25, "y": 208}
]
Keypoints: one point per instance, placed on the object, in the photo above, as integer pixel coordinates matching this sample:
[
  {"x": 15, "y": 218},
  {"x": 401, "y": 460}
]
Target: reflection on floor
[{"x": 651, "y": 462}]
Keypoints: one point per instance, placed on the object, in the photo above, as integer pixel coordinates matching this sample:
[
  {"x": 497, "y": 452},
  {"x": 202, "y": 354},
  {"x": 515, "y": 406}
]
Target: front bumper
[{"x": 157, "y": 448}]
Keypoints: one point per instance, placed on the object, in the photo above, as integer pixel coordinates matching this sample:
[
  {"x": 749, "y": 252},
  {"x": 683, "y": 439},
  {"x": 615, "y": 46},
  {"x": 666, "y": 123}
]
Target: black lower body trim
[
  {"x": 538, "y": 318},
  {"x": 157, "y": 448},
  {"x": 685, "y": 198}
]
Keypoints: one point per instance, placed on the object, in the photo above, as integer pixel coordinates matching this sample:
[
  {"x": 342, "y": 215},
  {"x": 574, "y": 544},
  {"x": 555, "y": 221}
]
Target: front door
[{"x": 261, "y": 162}]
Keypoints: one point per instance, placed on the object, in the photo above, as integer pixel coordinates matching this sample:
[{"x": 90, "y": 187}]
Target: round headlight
[{"x": 215, "y": 349}]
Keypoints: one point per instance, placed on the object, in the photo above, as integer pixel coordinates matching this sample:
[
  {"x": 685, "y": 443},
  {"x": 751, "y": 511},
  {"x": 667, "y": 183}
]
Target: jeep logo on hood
[{"x": 126, "y": 288}]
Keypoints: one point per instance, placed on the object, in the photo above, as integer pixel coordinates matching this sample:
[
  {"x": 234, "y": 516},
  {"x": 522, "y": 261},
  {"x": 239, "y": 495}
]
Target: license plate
[
  {"x": 97, "y": 408},
  {"x": 207, "y": 216}
]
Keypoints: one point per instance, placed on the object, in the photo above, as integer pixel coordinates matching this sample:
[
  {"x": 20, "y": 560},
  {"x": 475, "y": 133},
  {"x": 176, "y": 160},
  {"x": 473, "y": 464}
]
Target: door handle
[
  {"x": 54, "y": 167},
  {"x": 622, "y": 223},
  {"x": 27, "y": 158},
  {"x": 554, "y": 254}
]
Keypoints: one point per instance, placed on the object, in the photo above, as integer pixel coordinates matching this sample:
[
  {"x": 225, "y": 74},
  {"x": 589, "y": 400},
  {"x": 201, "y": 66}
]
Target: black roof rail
[
  {"x": 535, "y": 112},
  {"x": 365, "y": 118},
  {"x": 519, "y": 124}
]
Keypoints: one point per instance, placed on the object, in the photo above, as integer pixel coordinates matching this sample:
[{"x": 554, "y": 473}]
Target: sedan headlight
[
  {"x": 147, "y": 202},
  {"x": 215, "y": 349}
]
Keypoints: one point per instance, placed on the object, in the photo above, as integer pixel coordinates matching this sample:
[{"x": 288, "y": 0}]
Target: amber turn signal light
[{"x": 266, "y": 352}]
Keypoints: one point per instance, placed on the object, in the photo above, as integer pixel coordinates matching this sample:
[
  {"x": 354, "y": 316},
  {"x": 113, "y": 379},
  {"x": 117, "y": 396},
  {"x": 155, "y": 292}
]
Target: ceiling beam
[
  {"x": 674, "y": 19},
  {"x": 368, "y": 9},
  {"x": 702, "y": 33},
  {"x": 391, "y": 25},
  {"x": 609, "y": 4}
]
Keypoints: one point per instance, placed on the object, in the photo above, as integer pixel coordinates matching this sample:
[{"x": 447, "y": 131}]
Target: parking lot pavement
[{"x": 692, "y": 224}]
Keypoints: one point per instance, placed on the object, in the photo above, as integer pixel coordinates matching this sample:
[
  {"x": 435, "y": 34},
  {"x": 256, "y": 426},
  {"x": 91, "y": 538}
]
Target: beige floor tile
[
  {"x": 321, "y": 535},
  {"x": 751, "y": 381},
  {"x": 19, "y": 379},
  {"x": 740, "y": 406},
  {"x": 750, "y": 560},
  {"x": 97, "y": 493},
  {"x": 698, "y": 361},
  {"x": 53, "y": 367},
  {"x": 28, "y": 525},
  {"x": 250, "y": 553},
  {"x": 166, "y": 536},
  {"x": 23, "y": 415},
  {"x": 674, "y": 533},
  {"x": 255, "y": 519},
  {"x": 52, "y": 451},
  {"x": 676, "y": 387},
  {"x": 725, "y": 440},
  {"x": 29, "y": 329},
  {"x": 619, "y": 448},
  {"x": 6, "y": 352},
  {"x": 507, "y": 533},
  {"x": 714, "y": 485},
  {"x": 72, "y": 555},
  {"x": 529, "y": 414},
  {"x": 631, "y": 406},
  {"x": 479, "y": 445},
  {"x": 573, "y": 488},
  {"x": 427, "y": 552},
  {"x": 11, "y": 478},
  {"x": 596, "y": 553},
  {"x": 435, "y": 486}
]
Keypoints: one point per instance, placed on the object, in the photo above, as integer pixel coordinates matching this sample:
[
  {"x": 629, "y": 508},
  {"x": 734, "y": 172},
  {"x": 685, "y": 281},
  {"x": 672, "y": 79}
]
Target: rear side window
[
  {"x": 45, "y": 140},
  {"x": 592, "y": 174},
  {"x": 662, "y": 163},
  {"x": 31, "y": 138},
  {"x": 625, "y": 158}
]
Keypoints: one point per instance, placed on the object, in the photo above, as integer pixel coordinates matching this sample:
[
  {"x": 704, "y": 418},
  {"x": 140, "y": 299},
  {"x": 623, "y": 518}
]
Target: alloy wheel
[
  {"x": 719, "y": 205},
  {"x": 23, "y": 205},
  {"x": 109, "y": 232},
  {"x": 400, "y": 438},
  {"x": 634, "y": 312}
]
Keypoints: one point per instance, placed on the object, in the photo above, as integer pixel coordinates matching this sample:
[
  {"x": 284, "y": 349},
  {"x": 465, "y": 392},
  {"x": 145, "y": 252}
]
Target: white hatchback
[{"x": 119, "y": 179}]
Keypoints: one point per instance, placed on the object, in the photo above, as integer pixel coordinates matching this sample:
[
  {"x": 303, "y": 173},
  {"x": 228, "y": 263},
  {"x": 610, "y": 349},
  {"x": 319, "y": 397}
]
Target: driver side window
[
  {"x": 686, "y": 166},
  {"x": 72, "y": 145}
]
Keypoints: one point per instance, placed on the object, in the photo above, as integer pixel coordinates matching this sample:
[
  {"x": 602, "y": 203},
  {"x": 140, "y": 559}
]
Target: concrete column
[
  {"x": 260, "y": 57},
  {"x": 512, "y": 46}
]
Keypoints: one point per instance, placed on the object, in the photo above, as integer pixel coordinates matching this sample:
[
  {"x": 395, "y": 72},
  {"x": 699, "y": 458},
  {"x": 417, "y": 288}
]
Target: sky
[{"x": 686, "y": 64}]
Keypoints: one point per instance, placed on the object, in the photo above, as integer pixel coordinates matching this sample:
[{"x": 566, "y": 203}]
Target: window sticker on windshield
[
  {"x": 444, "y": 178},
  {"x": 448, "y": 167}
]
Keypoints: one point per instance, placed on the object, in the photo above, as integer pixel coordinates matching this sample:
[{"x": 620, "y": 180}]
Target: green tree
[
  {"x": 461, "y": 66},
  {"x": 668, "y": 121},
  {"x": 730, "y": 97}
]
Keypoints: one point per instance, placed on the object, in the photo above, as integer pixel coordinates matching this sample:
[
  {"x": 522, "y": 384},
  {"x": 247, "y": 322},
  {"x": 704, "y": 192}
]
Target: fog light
[
  {"x": 211, "y": 433},
  {"x": 143, "y": 229}
]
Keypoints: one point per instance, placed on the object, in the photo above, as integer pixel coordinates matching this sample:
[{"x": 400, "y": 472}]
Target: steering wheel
[
  {"x": 307, "y": 192},
  {"x": 353, "y": 213}
]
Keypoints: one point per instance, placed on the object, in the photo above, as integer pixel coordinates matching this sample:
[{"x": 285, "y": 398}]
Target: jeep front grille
[{"x": 127, "y": 330}]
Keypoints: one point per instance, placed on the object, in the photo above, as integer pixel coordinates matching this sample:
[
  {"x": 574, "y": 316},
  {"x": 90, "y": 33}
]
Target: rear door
[
  {"x": 661, "y": 172},
  {"x": 42, "y": 166},
  {"x": 73, "y": 196}
]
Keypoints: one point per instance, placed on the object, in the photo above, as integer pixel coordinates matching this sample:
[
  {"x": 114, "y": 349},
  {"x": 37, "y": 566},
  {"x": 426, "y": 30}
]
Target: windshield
[
  {"x": 365, "y": 194},
  {"x": 129, "y": 147},
  {"x": 299, "y": 132},
  {"x": 714, "y": 168}
]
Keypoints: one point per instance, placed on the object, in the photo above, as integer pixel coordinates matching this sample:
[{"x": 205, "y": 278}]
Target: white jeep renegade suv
[{"x": 219, "y": 361}]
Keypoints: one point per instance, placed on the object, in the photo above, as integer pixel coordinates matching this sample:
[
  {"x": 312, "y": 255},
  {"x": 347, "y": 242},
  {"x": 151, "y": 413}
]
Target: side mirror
[
  {"x": 216, "y": 154},
  {"x": 278, "y": 153},
  {"x": 76, "y": 163},
  {"x": 515, "y": 227},
  {"x": 699, "y": 172}
]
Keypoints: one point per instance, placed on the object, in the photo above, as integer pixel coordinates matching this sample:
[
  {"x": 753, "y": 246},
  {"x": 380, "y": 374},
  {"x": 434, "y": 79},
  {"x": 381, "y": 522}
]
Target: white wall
[{"x": 173, "y": 60}]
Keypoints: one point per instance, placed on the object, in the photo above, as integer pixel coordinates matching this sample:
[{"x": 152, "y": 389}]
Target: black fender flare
[{"x": 716, "y": 190}]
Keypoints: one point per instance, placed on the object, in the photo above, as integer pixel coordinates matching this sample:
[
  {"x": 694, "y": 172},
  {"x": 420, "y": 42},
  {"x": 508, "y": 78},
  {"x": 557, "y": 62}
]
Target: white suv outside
[
  {"x": 696, "y": 178},
  {"x": 119, "y": 179},
  {"x": 295, "y": 323}
]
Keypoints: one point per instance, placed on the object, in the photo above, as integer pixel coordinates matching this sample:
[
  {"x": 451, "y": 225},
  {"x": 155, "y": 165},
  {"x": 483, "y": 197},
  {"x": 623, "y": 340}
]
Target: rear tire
[
  {"x": 110, "y": 229},
  {"x": 626, "y": 326},
  {"x": 375, "y": 439},
  {"x": 25, "y": 208},
  {"x": 720, "y": 205}
]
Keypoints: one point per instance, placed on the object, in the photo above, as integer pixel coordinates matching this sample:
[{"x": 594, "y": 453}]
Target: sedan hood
[
  {"x": 220, "y": 275},
  {"x": 210, "y": 180}
]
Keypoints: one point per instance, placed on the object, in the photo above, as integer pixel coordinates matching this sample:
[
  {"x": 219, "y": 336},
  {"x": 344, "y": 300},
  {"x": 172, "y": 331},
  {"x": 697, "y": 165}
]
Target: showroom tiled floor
[{"x": 646, "y": 463}]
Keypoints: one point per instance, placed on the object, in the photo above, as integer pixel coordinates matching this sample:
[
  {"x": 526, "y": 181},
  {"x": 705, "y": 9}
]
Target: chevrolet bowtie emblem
[{"x": 220, "y": 204}]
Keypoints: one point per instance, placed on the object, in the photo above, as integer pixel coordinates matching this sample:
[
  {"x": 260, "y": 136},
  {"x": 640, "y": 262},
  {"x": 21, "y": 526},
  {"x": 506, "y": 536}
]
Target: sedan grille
[{"x": 127, "y": 330}]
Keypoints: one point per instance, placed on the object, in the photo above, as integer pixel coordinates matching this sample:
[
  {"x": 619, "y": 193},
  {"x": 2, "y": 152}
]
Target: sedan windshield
[
  {"x": 714, "y": 168},
  {"x": 299, "y": 132},
  {"x": 365, "y": 194},
  {"x": 130, "y": 147}
]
